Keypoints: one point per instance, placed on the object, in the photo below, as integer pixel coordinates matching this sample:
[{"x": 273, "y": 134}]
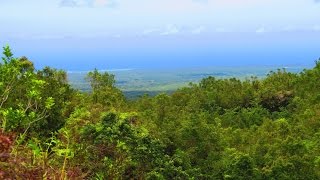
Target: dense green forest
[{"x": 215, "y": 129}]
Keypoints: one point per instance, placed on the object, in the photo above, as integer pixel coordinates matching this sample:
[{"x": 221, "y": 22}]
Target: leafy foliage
[{"x": 216, "y": 129}]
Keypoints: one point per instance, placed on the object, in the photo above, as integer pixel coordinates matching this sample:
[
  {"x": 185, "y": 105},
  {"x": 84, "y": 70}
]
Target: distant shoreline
[
  {"x": 136, "y": 82},
  {"x": 275, "y": 67}
]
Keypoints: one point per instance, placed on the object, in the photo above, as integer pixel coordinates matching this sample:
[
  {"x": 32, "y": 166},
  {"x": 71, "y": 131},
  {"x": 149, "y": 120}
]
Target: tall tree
[{"x": 103, "y": 89}]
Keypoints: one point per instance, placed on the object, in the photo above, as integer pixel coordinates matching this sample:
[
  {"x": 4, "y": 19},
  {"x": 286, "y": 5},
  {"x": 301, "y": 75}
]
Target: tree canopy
[{"x": 214, "y": 129}]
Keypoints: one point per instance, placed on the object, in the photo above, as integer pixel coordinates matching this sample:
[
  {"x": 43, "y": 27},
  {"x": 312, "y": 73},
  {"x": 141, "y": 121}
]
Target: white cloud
[
  {"x": 68, "y": 3},
  {"x": 221, "y": 30},
  {"x": 150, "y": 31},
  {"x": 117, "y": 36},
  {"x": 289, "y": 29},
  {"x": 261, "y": 30},
  {"x": 74, "y": 3},
  {"x": 87, "y": 3},
  {"x": 198, "y": 30},
  {"x": 316, "y": 27},
  {"x": 170, "y": 30},
  {"x": 100, "y": 3}
]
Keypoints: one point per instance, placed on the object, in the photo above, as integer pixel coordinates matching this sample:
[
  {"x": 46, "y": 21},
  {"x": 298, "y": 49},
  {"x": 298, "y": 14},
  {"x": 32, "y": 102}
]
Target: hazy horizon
[{"x": 118, "y": 34}]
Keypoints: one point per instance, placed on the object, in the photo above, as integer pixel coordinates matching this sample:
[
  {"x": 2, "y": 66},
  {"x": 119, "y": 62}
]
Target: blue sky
[{"x": 123, "y": 33}]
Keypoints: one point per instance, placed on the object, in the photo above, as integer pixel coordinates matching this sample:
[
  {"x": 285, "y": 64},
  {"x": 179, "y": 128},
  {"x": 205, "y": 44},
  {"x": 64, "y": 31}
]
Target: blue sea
[{"x": 172, "y": 52}]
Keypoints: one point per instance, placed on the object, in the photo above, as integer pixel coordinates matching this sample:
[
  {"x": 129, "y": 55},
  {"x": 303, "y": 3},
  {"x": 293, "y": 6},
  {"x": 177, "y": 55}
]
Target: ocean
[{"x": 171, "y": 52}]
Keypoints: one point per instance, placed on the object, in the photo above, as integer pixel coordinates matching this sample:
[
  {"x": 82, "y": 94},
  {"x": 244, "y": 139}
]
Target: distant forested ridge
[{"x": 215, "y": 129}]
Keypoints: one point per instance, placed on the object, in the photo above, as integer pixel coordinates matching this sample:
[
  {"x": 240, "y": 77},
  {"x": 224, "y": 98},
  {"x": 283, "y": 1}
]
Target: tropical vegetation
[{"x": 214, "y": 129}]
